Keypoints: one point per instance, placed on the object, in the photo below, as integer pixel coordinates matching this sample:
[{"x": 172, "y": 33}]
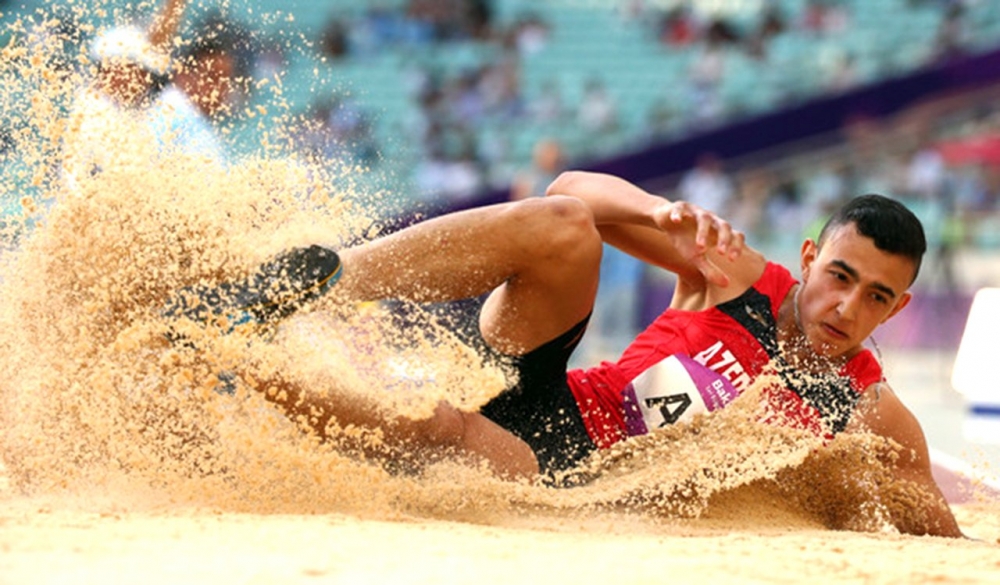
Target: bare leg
[
  {"x": 448, "y": 430},
  {"x": 541, "y": 260},
  {"x": 539, "y": 257}
]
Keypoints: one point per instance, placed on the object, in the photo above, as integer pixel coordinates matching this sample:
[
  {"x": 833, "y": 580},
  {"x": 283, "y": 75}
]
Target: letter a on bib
[{"x": 673, "y": 390}]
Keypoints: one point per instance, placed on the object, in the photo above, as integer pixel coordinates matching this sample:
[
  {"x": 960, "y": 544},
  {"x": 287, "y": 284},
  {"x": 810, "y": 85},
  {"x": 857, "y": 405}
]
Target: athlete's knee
[
  {"x": 444, "y": 428},
  {"x": 560, "y": 227}
]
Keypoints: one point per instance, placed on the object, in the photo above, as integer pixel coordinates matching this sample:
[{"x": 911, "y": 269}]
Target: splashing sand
[{"x": 109, "y": 428}]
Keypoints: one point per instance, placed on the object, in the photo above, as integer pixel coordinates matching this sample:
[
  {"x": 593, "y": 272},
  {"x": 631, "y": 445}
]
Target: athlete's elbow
[{"x": 565, "y": 183}]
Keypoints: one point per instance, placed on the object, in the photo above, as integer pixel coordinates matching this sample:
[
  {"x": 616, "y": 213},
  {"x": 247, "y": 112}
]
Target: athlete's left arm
[
  {"x": 889, "y": 418},
  {"x": 674, "y": 235}
]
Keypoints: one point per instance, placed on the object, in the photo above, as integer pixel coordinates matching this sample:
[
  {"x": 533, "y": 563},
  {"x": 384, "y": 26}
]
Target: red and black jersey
[{"x": 696, "y": 361}]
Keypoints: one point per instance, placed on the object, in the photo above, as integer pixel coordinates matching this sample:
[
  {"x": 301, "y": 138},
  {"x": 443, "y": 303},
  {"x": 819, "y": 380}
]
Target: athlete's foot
[{"x": 275, "y": 290}]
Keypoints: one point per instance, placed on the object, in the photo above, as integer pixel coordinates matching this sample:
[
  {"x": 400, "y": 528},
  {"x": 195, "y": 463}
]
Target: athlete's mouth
[{"x": 834, "y": 332}]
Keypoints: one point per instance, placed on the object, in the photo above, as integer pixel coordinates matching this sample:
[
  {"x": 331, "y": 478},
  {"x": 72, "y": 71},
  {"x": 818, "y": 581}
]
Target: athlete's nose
[{"x": 847, "y": 309}]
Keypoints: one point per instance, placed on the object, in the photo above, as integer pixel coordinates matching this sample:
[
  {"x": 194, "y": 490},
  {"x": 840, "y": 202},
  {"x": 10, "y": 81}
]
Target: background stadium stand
[{"x": 442, "y": 102}]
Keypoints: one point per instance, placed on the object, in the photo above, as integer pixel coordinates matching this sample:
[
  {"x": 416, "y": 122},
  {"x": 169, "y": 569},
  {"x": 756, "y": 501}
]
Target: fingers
[
  {"x": 711, "y": 273},
  {"x": 728, "y": 240},
  {"x": 738, "y": 244}
]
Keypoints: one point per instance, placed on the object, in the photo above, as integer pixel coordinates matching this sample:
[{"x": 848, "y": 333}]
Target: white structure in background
[{"x": 975, "y": 373}]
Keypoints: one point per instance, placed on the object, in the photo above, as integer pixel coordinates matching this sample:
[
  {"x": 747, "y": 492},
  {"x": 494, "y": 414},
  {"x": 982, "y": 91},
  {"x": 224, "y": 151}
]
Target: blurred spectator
[
  {"x": 548, "y": 105},
  {"x": 434, "y": 17},
  {"x": 338, "y": 130},
  {"x": 771, "y": 24},
  {"x": 202, "y": 91},
  {"x": 660, "y": 121},
  {"x": 967, "y": 185},
  {"x": 678, "y": 28},
  {"x": 478, "y": 19},
  {"x": 452, "y": 108},
  {"x": 547, "y": 163},
  {"x": 614, "y": 322},
  {"x": 530, "y": 34},
  {"x": 951, "y": 237},
  {"x": 467, "y": 104},
  {"x": 500, "y": 86},
  {"x": 445, "y": 20},
  {"x": 383, "y": 26},
  {"x": 772, "y": 21},
  {"x": 450, "y": 173},
  {"x": 707, "y": 186},
  {"x": 824, "y": 190},
  {"x": 705, "y": 78},
  {"x": 843, "y": 73},
  {"x": 334, "y": 40},
  {"x": 633, "y": 10},
  {"x": 784, "y": 208},
  {"x": 598, "y": 112},
  {"x": 109, "y": 119},
  {"x": 952, "y": 34},
  {"x": 494, "y": 152},
  {"x": 886, "y": 174},
  {"x": 814, "y": 16},
  {"x": 864, "y": 136},
  {"x": 747, "y": 209},
  {"x": 130, "y": 69},
  {"x": 720, "y": 32},
  {"x": 925, "y": 173},
  {"x": 825, "y": 17}
]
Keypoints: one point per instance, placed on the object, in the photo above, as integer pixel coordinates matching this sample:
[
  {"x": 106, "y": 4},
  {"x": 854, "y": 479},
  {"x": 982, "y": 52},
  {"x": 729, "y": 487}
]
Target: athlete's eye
[{"x": 880, "y": 298}]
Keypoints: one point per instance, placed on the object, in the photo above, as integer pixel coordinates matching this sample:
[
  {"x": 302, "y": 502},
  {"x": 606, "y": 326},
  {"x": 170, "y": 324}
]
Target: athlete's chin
[
  {"x": 832, "y": 353},
  {"x": 830, "y": 348}
]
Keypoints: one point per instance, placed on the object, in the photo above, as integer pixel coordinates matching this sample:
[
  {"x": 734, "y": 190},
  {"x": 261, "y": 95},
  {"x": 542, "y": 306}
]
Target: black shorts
[{"x": 539, "y": 407}]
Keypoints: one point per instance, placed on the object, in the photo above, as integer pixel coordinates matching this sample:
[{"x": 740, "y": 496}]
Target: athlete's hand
[{"x": 708, "y": 229}]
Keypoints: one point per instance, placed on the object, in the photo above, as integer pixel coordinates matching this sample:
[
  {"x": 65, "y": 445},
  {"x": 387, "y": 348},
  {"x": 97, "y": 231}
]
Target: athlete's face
[{"x": 849, "y": 287}]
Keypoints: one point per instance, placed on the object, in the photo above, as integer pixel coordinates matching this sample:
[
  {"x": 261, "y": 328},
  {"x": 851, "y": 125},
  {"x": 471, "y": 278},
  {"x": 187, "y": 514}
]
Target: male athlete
[{"x": 733, "y": 316}]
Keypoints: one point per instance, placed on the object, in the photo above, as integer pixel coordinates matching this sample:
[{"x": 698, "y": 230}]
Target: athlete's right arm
[{"x": 923, "y": 512}]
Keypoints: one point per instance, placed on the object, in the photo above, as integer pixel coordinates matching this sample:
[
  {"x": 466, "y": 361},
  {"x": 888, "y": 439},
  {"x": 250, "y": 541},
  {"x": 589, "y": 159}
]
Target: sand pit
[
  {"x": 123, "y": 461},
  {"x": 54, "y": 541}
]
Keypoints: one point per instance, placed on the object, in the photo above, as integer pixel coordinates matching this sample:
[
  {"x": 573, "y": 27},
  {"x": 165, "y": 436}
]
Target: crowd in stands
[
  {"x": 948, "y": 169},
  {"x": 463, "y": 118},
  {"x": 463, "y": 129},
  {"x": 459, "y": 128}
]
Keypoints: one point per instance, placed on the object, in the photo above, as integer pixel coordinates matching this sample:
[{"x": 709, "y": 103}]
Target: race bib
[{"x": 674, "y": 390}]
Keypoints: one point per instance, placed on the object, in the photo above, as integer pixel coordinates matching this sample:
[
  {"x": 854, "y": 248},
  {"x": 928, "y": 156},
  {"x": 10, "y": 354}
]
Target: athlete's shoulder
[
  {"x": 774, "y": 275},
  {"x": 864, "y": 370}
]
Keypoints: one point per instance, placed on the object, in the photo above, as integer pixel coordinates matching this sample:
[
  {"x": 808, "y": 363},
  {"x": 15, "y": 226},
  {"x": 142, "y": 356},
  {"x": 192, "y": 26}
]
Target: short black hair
[{"x": 889, "y": 223}]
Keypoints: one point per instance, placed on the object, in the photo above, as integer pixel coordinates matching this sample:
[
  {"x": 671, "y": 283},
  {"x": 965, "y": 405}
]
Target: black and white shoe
[{"x": 275, "y": 290}]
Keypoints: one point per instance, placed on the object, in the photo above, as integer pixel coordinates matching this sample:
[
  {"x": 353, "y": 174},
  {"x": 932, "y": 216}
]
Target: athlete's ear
[
  {"x": 904, "y": 300},
  {"x": 807, "y": 256}
]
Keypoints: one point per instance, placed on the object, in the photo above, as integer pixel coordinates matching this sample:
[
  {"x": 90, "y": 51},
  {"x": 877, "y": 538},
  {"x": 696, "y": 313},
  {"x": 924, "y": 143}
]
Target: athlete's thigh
[{"x": 532, "y": 309}]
